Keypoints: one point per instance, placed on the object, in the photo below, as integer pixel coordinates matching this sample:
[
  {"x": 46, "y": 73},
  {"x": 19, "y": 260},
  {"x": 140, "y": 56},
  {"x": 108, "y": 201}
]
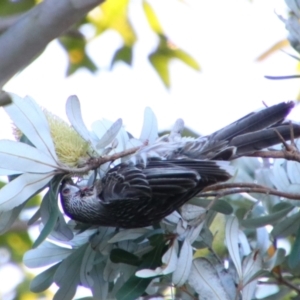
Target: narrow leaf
[
  {"x": 227, "y": 279},
  {"x": 51, "y": 215},
  {"x": 46, "y": 230},
  {"x": 128, "y": 234},
  {"x": 34, "y": 218},
  {"x": 122, "y": 54},
  {"x": 110, "y": 134},
  {"x": 67, "y": 274},
  {"x": 7, "y": 218},
  {"x": 101, "y": 127},
  {"x": 6, "y": 172},
  {"x": 294, "y": 257},
  {"x": 73, "y": 111},
  {"x": 22, "y": 157},
  {"x": 205, "y": 280},
  {"x": 99, "y": 290},
  {"x": 251, "y": 265},
  {"x": 269, "y": 219},
  {"x": 61, "y": 231},
  {"x": 86, "y": 267},
  {"x": 170, "y": 259},
  {"x": 22, "y": 188},
  {"x": 99, "y": 241},
  {"x": 194, "y": 233},
  {"x": 277, "y": 259},
  {"x": 122, "y": 256},
  {"x": 49, "y": 204},
  {"x": 293, "y": 171},
  {"x": 31, "y": 120},
  {"x": 135, "y": 286},
  {"x": 232, "y": 233},
  {"x": 152, "y": 18},
  {"x": 279, "y": 177},
  {"x": 43, "y": 281},
  {"x": 262, "y": 238},
  {"x": 160, "y": 63},
  {"x": 184, "y": 264},
  {"x": 45, "y": 255},
  {"x": 220, "y": 206},
  {"x": 68, "y": 290},
  {"x": 287, "y": 226},
  {"x": 186, "y": 58},
  {"x": 150, "y": 128},
  {"x": 111, "y": 271}
]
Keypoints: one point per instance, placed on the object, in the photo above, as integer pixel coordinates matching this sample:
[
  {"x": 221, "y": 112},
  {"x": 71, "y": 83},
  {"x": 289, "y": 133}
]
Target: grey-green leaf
[
  {"x": 99, "y": 290},
  {"x": 44, "y": 255},
  {"x": 287, "y": 226},
  {"x": 294, "y": 257},
  {"x": 220, "y": 206},
  {"x": 206, "y": 281},
  {"x": 43, "y": 281},
  {"x": 268, "y": 219},
  {"x": 86, "y": 267},
  {"x": 121, "y": 256}
]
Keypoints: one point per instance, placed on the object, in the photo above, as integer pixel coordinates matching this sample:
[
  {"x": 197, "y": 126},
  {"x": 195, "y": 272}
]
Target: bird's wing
[{"x": 161, "y": 179}]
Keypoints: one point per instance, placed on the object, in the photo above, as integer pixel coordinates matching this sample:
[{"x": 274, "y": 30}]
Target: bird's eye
[
  {"x": 82, "y": 194},
  {"x": 66, "y": 191}
]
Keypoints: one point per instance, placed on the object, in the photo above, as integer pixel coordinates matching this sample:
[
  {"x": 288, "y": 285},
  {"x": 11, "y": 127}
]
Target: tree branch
[
  {"x": 96, "y": 162},
  {"x": 288, "y": 155},
  {"x": 7, "y": 22},
  {"x": 27, "y": 38},
  {"x": 236, "y": 188}
]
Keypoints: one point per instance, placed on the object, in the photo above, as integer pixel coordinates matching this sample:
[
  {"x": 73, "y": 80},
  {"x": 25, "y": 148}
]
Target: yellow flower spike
[{"x": 69, "y": 146}]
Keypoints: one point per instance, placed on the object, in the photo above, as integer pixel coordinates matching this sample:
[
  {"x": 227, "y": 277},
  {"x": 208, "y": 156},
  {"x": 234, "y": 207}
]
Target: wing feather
[{"x": 160, "y": 180}]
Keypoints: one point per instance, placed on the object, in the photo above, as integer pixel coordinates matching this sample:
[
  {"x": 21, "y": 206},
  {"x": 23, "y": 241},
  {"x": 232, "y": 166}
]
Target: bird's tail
[
  {"x": 253, "y": 141},
  {"x": 253, "y": 132},
  {"x": 254, "y": 121}
]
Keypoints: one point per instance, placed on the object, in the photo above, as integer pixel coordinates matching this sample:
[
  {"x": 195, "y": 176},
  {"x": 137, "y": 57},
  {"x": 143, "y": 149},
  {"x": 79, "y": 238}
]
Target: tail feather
[
  {"x": 253, "y": 132},
  {"x": 266, "y": 138},
  {"x": 255, "y": 121}
]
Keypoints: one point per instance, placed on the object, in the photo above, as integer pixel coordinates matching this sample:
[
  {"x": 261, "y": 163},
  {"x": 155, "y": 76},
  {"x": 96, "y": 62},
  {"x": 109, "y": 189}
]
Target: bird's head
[{"x": 73, "y": 192}]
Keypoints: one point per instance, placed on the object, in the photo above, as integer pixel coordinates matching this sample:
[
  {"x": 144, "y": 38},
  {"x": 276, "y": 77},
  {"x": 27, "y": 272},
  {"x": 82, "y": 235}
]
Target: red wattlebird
[{"x": 141, "y": 192}]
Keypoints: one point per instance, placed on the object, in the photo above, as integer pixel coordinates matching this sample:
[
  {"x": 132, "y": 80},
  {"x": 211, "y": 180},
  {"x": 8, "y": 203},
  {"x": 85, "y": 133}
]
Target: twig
[
  {"x": 237, "y": 188},
  {"x": 95, "y": 163},
  {"x": 283, "y": 141},
  {"x": 281, "y": 280},
  {"x": 221, "y": 186},
  {"x": 185, "y": 290},
  {"x": 288, "y": 155},
  {"x": 292, "y": 134}
]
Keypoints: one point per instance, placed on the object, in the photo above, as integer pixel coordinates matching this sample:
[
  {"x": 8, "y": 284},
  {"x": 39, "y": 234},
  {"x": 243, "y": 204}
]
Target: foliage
[
  {"x": 293, "y": 39},
  {"x": 183, "y": 255},
  {"x": 110, "y": 16}
]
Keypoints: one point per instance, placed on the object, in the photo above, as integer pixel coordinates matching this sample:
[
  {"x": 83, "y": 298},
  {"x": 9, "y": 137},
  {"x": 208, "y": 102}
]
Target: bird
[{"x": 142, "y": 191}]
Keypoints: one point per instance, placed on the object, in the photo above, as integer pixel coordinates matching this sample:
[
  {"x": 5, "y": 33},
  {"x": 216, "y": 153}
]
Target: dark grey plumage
[{"x": 137, "y": 194}]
